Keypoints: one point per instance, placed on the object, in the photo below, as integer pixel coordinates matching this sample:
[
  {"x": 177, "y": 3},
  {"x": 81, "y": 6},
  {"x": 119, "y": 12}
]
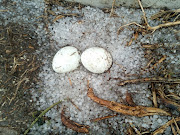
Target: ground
[{"x": 19, "y": 72}]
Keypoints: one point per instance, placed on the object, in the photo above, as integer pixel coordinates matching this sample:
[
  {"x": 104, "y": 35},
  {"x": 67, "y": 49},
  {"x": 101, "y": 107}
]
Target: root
[{"x": 139, "y": 111}]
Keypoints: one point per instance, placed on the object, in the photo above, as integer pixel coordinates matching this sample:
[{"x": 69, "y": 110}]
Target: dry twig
[{"x": 138, "y": 111}]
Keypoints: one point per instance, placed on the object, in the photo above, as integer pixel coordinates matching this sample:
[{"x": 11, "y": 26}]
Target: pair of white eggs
[{"x": 95, "y": 59}]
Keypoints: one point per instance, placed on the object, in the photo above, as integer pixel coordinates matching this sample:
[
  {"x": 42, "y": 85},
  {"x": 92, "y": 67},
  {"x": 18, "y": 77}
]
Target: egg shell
[
  {"x": 96, "y": 59},
  {"x": 66, "y": 59}
]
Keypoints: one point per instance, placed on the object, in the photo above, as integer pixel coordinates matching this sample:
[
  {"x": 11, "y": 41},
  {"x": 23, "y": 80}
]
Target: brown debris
[
  {"x": 167, "y": 100},
  {"x": 73, "y": 125},
  {"x": 138, "y": 111},
  {"x": 135, "y": 129},
  {"x": 166, "y": 14},
  {"x": 147, "y": 27},
  {"x": 112, "y": 14},
  {"x": 129, "y": 99},
  {"x": 160, "y": 61},
  {"x": 102, "y": 118},
  {"x": 162, "y": 128},
  {"x": 135, "y": 36},
  {"x": 151, "y": 46},
  {"x": 130, "y": 131},
  {"x": 154, "y": 95},
  {"x": 63, "y": 15},
  {"x": 173, "y": 130},
  {"x": 153, "y": 79}
]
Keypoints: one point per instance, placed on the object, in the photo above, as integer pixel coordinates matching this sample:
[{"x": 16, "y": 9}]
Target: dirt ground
[{"x": 19, "y": 69}]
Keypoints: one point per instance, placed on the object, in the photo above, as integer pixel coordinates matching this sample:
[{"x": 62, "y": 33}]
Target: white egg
[
  {"x": 96, "y": 59},
  {"x": 66, "y": 59}
]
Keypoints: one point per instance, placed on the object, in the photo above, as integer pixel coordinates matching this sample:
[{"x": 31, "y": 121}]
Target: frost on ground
[{"x": 95, "y": 28}]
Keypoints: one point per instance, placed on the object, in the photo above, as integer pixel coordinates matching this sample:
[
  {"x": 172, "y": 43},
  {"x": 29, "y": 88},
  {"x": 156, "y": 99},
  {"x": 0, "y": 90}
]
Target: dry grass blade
[
  {"x": 17, "y": 88},
  {"x": 162, "y": 128},
  {"x": 154, "y": 95},
  {"x": 166, "y": 14},
  {"x": 151, "y": 46},
  {"x": 112, "y": 9},
  {"x": 174, "y": 96},
  {"x": 102, "y": 118},
  {"x": 173, "y": 130},
  {"x": 153, "y": 79},
  {"x": 132, "y": 23},
  {"x": 160, "y": 61},
  {"x": 139, "y": 111},
  {"x": 58, "y": 17},
  {"x": 73, "y": 125},
  {"x": 62, "y": 16},
  {"x": 177, "y": 127}
]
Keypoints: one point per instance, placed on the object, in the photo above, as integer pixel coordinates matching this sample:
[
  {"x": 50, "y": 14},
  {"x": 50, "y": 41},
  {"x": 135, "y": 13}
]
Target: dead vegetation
[
  {"x": 73, "y": 125},
  {"x": 139, "y": 111},
  {"x": 166, "y": 15}
]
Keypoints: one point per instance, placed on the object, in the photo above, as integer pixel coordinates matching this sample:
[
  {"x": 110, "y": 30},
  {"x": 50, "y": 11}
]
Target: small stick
[
  {"x": 144, "y": 14},
  {"x": 102, "y": 118},
  {"x": 135, "y": 23},
  {"x": 149, "y": 63},
  {"x": 160, "y": 61},
  {"x": 151, "y": 46},
  {"x": 153, "y": 79}
]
